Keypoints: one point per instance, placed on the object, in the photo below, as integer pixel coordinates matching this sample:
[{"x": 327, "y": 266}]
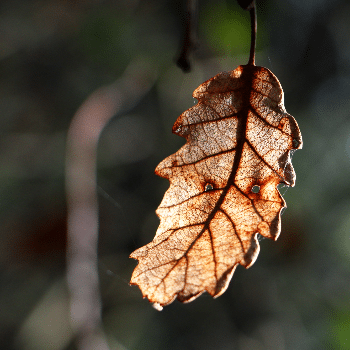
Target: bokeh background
[{"x": 54, "y": 54}]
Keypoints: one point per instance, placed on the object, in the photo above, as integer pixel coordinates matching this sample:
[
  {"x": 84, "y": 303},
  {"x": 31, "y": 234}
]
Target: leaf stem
[{"x": 253, "y": 24}]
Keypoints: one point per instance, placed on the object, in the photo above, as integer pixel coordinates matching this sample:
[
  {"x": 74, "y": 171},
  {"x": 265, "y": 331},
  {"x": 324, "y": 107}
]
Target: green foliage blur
[{"x": 54, "y": 54}]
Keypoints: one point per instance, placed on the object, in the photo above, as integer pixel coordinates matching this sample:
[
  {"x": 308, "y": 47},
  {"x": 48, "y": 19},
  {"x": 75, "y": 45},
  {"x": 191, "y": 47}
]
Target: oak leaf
[{"x": 223, "y": 187}]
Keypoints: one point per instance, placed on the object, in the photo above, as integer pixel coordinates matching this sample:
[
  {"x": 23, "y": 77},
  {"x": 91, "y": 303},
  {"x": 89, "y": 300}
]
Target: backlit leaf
[{"x": 223, "y": 187}]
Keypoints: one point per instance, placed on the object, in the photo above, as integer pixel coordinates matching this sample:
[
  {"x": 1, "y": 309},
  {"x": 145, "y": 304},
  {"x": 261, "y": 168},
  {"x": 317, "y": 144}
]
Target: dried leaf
[{"x": 223, "y": 187}]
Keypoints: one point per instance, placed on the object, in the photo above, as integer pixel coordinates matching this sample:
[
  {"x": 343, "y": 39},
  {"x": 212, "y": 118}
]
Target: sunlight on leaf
[{"x": 223, "y": 187}]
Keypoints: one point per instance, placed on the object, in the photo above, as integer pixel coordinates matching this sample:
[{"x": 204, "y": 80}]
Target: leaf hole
[
  {"x": 208, "y": 187},
  {"x": 255, "y": 189}
]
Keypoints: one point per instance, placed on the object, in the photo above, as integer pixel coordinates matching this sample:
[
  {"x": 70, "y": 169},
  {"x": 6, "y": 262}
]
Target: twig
[
  {"x": 82, "y": 202},
  {"x": 253, "y": 23},
  {"x": 189, "y": 41}
]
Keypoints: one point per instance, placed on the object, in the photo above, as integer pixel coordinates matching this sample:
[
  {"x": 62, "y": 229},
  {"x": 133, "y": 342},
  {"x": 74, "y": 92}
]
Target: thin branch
[
  {"x": 81, "y": 192},
  {"x": 253, "y": 23},
  {"x": 189, "y": 41}
]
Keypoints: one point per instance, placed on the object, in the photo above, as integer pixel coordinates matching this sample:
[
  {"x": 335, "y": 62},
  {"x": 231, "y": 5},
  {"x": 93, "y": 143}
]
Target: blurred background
[{"x": 54, "y": 54}]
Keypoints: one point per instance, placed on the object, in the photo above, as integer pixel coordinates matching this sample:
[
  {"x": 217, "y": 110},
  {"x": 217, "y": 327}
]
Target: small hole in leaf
[
  {"x": 255, "y": 189},
  {"x": 208, "y": 187}
]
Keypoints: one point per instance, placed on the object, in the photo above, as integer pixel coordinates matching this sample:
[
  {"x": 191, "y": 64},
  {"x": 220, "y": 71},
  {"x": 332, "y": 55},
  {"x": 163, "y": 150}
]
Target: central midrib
[{"x": 241, "y": 139}]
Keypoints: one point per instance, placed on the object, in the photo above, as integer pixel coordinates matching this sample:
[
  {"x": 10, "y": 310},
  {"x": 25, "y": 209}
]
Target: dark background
[{"x": 54, "y": 54}]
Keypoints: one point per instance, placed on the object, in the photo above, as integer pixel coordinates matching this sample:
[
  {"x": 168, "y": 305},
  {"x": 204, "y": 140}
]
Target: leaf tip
[
  {"x": 157, "y": 306},
  {"x": 253, "y": 252},
  {"x": 275, "y": 226},
  {"x": 224, "y": 281}
]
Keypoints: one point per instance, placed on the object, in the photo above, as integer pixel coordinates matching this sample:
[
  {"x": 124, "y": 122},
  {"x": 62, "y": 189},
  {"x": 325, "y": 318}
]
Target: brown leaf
[{"x": 223, "y": 187}]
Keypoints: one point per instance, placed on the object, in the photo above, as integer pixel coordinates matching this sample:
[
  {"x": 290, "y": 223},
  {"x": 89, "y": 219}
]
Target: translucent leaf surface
[{"x": 223, "y": 187}]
